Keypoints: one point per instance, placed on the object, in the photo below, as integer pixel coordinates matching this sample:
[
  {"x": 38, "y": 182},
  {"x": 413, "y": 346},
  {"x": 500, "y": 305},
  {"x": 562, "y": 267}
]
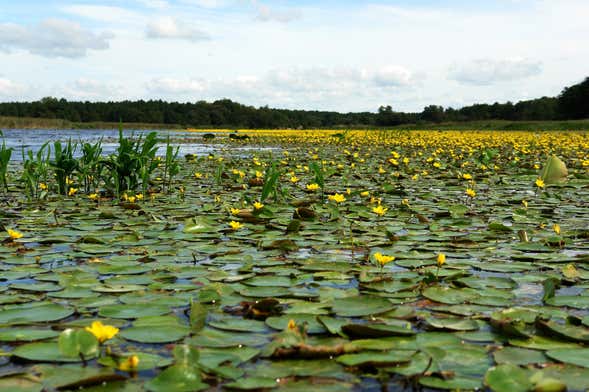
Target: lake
[{"x": 187, "y": 141}]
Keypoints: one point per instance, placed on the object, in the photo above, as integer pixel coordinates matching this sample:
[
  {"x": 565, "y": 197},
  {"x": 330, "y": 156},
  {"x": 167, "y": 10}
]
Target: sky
[{"x": 316, "y": 55}]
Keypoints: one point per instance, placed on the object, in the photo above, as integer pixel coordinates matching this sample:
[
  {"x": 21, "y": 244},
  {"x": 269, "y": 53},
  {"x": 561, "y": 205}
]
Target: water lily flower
[
  {"x": 379, "y": 210},
  {"x": 556, "y": 228},
  {"x": 294, "y": 179},
  {"x": 102, "y": 332},
  {"x": 235, "y": 225},
  {"x": 466, "y": 176},
  {"x": 72, "y": 191},
  {"x": 365, "y": 194},
  {"x": 14, "y": 234},
  {"x": 312, "y": 187},
  {"x": 42, "y": 186},
  {"x": 540, "y": 182},
  {"x": 441, "y": 259},
  {"x": 197, "y": 175},
  {"x": 470, "y": 192},
  {"x": 93, "y": 196},
  {"x": 129, "y": 364},
  {"x": 258, "y": 205},
  {"x": 235, "y": 211},
  {"x": 383, "y": 259},
  {"x": 139, "y": 196},
  {"x": 338, "y": 198}
]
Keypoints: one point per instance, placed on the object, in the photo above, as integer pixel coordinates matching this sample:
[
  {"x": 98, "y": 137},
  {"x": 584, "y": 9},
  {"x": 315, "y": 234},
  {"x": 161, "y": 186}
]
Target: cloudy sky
[{"x": 328, "y": 55}]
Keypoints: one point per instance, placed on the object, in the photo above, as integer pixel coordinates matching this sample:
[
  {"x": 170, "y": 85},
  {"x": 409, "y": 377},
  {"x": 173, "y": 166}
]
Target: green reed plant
[
  {"x": 64, "y": 164},
  {"x": 271, "y": 182},
  {"x": 133, "y": 162},
  {"x": 89, "y": 167},
  {"x": 35, "y": 170},
  {"x": 5, "y": 154},
  {"x": 171, "y": 165}
]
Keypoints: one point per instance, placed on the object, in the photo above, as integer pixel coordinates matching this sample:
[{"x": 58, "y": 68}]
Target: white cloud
[
  {"x": 84, "y": 88},
  {"x": 310, "y": 88},
  {"x": 170, "y": 86},
  {"x": 206, "y": 3},
  {"x": 267, "y": 14},
  {"x": 155, "y": 4},
  {"x": 103, "y": 13},
  {"x": 488, "y": 71},
  {"x": 10, "y": 89},
  {"x": 52, "y": 38},
  {"x": 172, "y": 28},
  {"x": 393, "y": 76}
]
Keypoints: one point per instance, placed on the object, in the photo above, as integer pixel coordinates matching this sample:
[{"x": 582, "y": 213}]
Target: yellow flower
[
  {"x": 102, "y": 332},
  {"x": 235, "y": 211},
  {"x": 235, "y": 225},
  {"x": 540, "y": 182},
  {"x": 437, "y": 164},
  {"x": 525, "y": 203},
  {"x": 441, "y": 259},
  {"x": 292, "y": 325},
  {"x": 383, "y": 259},
  {"x": 365, "y": 194},
  {"x": 139, "y": 196},
  {"x": 556, "y": 228},
  {"x": 294, "y": 179},
  {"x": 129, "y": 364},
  {"x": 381, "y": 170},
  {"x": 405, "y": 202},
  {"x": 197, "y": 175},
  {"x": 470, "y": 192},
  {"x": 379, "y": 210},
  {"x": 72, "y": 191},
  {"x": 259, "y": 174},
  {"x": 68, "y": 181},
  {"x": 312, "y": 187},
  {"x": 466, "y": 176},
  {"x": 14, "y": 234},
  {"x": 93, "y": 196},
  {"x": 338, "y": 198},
  {"x": 43, "y": 186},
  {"x": 258, "y": 205}
]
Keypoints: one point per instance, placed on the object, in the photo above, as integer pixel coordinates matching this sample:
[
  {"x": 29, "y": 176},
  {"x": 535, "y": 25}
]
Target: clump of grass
[
  {"x": 5, "y": 154},
  {"x": 35, "y": 170},
  {"x": 64, "y": 164}
]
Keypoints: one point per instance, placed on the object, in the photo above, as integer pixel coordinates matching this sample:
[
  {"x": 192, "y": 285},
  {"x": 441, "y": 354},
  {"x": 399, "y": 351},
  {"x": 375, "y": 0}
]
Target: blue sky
[{"x": 327, "y": 55}]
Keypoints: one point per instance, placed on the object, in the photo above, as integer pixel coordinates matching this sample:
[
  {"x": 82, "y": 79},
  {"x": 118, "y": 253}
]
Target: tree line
[{"x": 572, "y": 103}]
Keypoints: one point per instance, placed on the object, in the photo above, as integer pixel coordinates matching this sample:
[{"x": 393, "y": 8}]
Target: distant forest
[{"x": 572, "y": 103}]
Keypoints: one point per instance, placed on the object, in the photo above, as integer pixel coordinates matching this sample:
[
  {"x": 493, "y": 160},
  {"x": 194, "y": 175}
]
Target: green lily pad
[
  {"x": 37, "y": 313},
  {"x": 454, "y": 383},
  {"x": 508, "y": 378},
  {"x": 45, "y": 352},
  {"x": 130, "y": 311},
  {"x": 26, "y": 335},
  {"x": 360, "y": 306},
  {"x": 579, "y": 356},
  {"x": 375, "y": 359},
  {"x": 155, "y": 334}
]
